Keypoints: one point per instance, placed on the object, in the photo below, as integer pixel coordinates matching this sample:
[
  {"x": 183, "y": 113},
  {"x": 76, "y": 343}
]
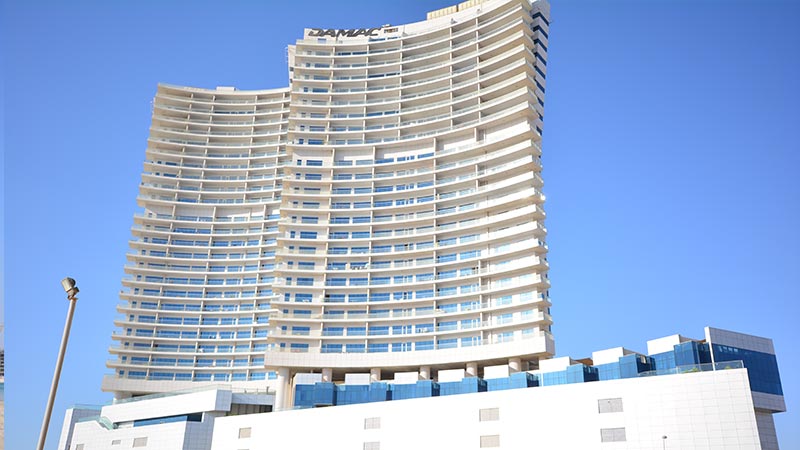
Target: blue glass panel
[
  {"x": 379, "y": 392},
  {"x": 352, "y": 394},
  {"x": 553, "y": 378},
  {"x": 579, "y": 373},
  {"x": 686, "y": 354},
  {"x": 610, "y": 371},
  {"x": 465, "y": 386},
  {"x": 324, "y": 394},
  {"x": 304, "y": 396},
  {"x": 514, "y": 381},
  {"x": 630, "y": 366},
  {"x": 762, "y": 368},
  {"x": 663, "y": 362},
  {"x": 421, "y": 389}
]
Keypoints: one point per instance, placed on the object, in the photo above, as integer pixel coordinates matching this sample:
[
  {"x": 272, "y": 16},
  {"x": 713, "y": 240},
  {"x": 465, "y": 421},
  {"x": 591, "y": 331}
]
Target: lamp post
[
  {"x": 664, "y": 441},
  {"x": 71, "y": 289}
]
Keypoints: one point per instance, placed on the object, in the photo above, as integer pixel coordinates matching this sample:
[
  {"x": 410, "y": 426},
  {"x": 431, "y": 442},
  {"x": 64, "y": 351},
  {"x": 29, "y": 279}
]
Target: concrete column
[
  {"x": 472, "y": 369},
  {"x": 374, "y": 375},
  {"x": 514, "y": 365},
  {"x": 327, "y": 375},
  {"x": 282, "y": 389},
  {"x": 425, "y": 372}
]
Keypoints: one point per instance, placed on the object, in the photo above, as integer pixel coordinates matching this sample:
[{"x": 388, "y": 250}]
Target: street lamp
[
  {"x": 71, "y": 289},
  {"x": 664, "y": 441}
]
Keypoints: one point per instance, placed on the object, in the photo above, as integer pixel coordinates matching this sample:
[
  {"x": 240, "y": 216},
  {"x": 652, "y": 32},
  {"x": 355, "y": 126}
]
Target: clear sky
[{"x": 671, "y": 162}]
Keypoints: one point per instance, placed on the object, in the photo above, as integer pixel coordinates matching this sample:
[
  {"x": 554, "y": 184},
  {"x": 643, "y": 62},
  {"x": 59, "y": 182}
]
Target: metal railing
[{"x": 693, "y": 368}]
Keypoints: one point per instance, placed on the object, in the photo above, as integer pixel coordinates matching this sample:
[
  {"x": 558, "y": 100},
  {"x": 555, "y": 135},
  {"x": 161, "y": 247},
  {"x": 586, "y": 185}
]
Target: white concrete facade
[
  {"x": 704, "y": 410},
  {"x": 708, "y": 410},
  {"x": 71, "y": 417},
  {"x": 120, "y": 425}
]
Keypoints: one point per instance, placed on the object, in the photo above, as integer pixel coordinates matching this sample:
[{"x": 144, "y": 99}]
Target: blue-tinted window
[
  {"x": 663, "y": 362},
  {"x": 336, "y": 282},
  {"x": 447, "y": 343},
  {"x": 423, "y": 328},
  {"x": 334, "y": 298},
  {"x": 424, "y": 345},
  {"x": 762, "y": 368},
  {"x": 357, "y": 298},
  {"x": 378, "y": 347},
  {"x": 331, "y": 348},
  {"x": 305, "y": 281},
  {"x": 448, "y": 326},
  {"x": 425, "y": 293},
  {"x": 446, "y": 291},
  {"x": 374, "y": 297},
  {"x": 446, "y": 258}
]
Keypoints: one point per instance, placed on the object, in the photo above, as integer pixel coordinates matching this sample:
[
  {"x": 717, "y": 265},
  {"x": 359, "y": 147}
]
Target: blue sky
[{"x": 670, "y": 161}]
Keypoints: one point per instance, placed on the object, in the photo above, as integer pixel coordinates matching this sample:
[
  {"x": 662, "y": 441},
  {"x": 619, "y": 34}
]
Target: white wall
[
  {"x": 211, "y": 400},
  {"x": 70, "y": 417},
  {"x": 708, "y": 410},
  {"x": 168, "y": 436}
]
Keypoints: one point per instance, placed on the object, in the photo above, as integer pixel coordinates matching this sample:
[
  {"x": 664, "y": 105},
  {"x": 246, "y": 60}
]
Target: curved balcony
[{"x": 536, "y": 345}]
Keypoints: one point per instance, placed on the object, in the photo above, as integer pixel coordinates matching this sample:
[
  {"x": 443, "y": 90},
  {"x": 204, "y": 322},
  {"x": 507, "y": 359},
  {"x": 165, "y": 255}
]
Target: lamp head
[{"x": 69, "y": 287}]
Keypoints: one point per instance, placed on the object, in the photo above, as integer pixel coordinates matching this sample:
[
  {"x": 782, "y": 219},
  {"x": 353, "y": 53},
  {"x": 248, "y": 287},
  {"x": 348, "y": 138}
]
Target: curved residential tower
[
  {"x": 411, "y": 234},
  {"x": 199, "y": 278},
  {"x": 380, "y": 217}
]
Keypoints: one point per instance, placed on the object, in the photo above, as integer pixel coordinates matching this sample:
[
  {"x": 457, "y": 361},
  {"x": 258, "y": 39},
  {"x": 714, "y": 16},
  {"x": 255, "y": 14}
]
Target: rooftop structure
[{"x": 715, "y": 392}]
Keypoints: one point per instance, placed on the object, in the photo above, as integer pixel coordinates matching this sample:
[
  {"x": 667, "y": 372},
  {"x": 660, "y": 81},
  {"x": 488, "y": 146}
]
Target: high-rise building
[
  {"x": 383, "y": 214},
  {"x": 199, "y": 280},
  {"x": 362, "y": 255}
]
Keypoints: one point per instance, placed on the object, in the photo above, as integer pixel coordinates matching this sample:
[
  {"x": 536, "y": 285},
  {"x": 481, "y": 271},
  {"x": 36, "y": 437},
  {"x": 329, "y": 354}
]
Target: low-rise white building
[{"x": 714, "y": 393}]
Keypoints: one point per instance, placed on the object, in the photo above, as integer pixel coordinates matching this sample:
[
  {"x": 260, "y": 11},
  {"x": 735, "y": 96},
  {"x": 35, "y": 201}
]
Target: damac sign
[{"x": 355, "y": 32}]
